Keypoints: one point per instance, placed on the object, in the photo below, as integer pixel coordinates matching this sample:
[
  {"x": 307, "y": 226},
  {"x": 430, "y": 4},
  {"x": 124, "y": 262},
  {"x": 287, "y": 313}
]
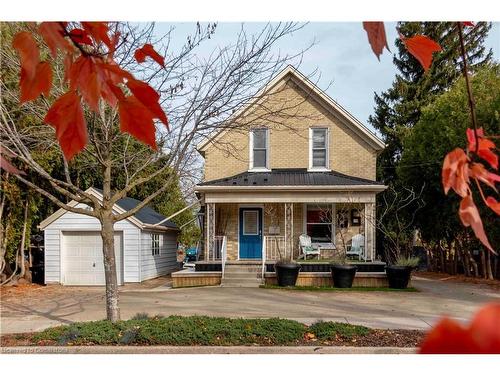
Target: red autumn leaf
[
  {"x": 149, "y": 97},
  {"x": 422, "y": 48},
  {"x": 80, "y": 36},
  {"x": 66, "y": 116},
  {"x": 482, "y": 336},
  {"x": 99, "y": 31},
  {"x": 137, "y": 120},
  {"x": 26, "y": 46},
  {"x": 468, "y": 24},
  {"x": 148, "y": 50},
  {"x": 455, "y": 173},
  {"x": 83, "y": 76},
  {"x": 493, "y": 204},
  {"x": 469, "y": 215},
  {"x": 479, "y": 172},
  {"x": 39, "y": 83},
  {"x": 53, "y": 34},
  {"x": 110, "y": 75},
  {"x": 376, "y": 37},
  {"x": 5, "y": 163},
  {"x": 485, "y": 147}
]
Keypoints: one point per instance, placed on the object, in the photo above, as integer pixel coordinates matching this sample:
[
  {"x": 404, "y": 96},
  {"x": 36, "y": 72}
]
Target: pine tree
[{"x": 398, "y": 109}]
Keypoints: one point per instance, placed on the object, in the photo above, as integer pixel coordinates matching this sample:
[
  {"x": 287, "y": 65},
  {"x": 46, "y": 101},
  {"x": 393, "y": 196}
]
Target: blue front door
[{"x": 250, "y": 233}]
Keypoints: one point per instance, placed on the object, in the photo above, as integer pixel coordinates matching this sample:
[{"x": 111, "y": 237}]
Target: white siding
[
  {"x": 158, "y": 265},
  {"x": 70, "y": 221}
]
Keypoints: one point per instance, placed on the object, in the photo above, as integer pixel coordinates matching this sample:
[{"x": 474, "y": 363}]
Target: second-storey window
[
  {"x": 319, "y": 148},
  {"x": 259, "y": 148}
]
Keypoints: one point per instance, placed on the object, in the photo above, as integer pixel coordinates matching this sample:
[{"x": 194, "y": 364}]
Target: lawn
[
  {"x": 213, "y": 331},
  {"x": 333, "y": 289}
]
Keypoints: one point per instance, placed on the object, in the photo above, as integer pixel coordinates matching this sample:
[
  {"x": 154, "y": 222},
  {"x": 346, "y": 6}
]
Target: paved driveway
[{"x": 54, "y": 305}]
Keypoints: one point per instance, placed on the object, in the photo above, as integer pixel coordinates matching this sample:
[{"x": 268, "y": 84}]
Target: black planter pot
[
  {"x": 343, "y": 275},
  {"x": 287, "y": 273},
  {"x": 398, "y": 276}
]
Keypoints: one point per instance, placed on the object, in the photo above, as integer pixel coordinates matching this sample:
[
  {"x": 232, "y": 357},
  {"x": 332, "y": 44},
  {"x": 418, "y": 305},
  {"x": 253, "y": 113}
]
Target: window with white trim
[
  {"x": 155, "y": 244},
  {"x": 319, "y": 148},
  {"x": 319, "y": 223},
  {"x": 259, "y": 148}
]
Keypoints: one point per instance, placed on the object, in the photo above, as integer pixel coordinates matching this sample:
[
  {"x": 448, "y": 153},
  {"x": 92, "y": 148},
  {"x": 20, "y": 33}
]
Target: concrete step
[
  {"x": 241, "y": 271},
  {"x": 241, "y": 282},
  {"x": 243, "y": 276}
]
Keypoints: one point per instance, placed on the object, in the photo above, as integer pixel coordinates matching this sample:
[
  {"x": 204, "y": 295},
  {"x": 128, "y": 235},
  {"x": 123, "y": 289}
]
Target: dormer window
[
  {"x": 318, "y": 149},
  {"x": 259, "y": 149}
]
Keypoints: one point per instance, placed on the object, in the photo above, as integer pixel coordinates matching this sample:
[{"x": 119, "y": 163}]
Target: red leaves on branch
[
  {"x": 137, "y": 120},
  {"x": 5, "y": 163},
  {"x": 422, "y": 48},
  {"x": 66, "y": 116},
  {"x": 92, "y": 75},
  {"x": 376, "y": 37},
  {"x": 457, "y": 173},
  {"x": 148, "y": 50},
  {"x": 484, "y": 148},
  {"x": 482, "y": 336},
  {"x": 36, "y": 76}
]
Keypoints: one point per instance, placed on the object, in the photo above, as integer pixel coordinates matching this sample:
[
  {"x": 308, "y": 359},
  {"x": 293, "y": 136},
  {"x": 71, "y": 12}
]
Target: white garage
[{"x": 73, "y": 246}]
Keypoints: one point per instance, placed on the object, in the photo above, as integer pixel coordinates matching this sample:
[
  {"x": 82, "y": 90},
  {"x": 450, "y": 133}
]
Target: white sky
[{"x": 341, "y": 54}]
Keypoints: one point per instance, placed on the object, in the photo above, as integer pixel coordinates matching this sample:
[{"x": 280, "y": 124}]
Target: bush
[
  {"x": 407, "y": 262},
  {"x": 330, "y": 330}
]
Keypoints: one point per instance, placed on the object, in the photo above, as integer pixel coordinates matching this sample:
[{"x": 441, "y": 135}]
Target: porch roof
[{"x": 292, "y": 178}]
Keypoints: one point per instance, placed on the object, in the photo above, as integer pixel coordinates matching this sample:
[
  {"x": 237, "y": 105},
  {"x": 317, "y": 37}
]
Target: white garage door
[{"x": 83, "y": 260}]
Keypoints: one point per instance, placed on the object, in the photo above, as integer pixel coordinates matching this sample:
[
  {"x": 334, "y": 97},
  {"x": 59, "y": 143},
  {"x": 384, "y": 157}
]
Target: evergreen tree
[{"x": 398, "y": 109}]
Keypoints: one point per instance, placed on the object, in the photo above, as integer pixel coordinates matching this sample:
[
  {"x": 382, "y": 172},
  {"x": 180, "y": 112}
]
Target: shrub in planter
[
  {"x": 399, "y": 273},
  {"x": 342, "y": 273},
  {"x": 287, "y": 272}
]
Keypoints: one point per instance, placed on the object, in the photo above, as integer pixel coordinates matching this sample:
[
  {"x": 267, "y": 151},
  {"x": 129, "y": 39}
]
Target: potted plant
[
  {"x": 342, "y": 272},
  {"x": 287, "y": 272},
  {"x": 399, "y": 273}
]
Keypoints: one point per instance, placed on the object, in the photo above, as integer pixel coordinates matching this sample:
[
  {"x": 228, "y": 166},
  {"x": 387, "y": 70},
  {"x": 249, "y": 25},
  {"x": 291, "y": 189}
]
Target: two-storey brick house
[{"x": 295, "y": 163}]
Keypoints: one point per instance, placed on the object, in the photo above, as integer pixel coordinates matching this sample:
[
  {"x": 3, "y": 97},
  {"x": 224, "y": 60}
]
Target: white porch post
[
  {"x": 210, "y": 229},
  {"x": 370, "y": 230},
  {"x": 289, "y": 228}
]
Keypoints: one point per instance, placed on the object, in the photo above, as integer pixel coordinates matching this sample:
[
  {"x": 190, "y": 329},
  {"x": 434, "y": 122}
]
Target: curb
[{"x": 204, "y": 350}]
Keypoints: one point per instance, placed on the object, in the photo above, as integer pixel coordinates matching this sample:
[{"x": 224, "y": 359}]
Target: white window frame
[
  {"x": 324, "y": 245},
  {"x": 251, "y": 167},
  {"x": 155, "y": 244},
  {"x": 326, "y": 168}
]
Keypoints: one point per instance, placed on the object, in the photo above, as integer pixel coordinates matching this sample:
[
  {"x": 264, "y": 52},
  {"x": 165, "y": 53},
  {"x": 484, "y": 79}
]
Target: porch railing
[
  {"x": 224, "y": 255},
  {"x": 215, "y": 252},
  {"x": 272, "y": 247}
]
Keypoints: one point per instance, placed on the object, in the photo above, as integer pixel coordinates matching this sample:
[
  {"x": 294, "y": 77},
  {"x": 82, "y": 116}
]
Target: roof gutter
[{"x": 205, "y": 188}]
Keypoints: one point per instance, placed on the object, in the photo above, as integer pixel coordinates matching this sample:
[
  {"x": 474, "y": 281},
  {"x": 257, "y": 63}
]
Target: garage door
[{"x": 83, "y": 260}]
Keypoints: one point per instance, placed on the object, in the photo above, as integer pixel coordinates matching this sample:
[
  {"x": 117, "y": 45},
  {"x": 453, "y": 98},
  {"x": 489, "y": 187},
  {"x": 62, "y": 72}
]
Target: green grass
[
  {"x": 333, "y": 289},
  {"x": 195, "y": 330}
]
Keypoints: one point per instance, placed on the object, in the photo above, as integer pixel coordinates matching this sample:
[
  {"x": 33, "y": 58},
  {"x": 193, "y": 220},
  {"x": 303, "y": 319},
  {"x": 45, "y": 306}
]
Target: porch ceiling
[{"x": 277, "y": 196}]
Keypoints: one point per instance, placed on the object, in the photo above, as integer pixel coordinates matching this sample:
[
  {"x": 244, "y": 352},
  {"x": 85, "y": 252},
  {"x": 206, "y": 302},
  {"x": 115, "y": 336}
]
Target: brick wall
[{"x": 289, "y": 113}]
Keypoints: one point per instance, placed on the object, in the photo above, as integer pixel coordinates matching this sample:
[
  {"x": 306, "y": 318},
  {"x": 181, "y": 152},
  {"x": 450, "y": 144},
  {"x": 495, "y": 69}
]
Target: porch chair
[
  {"x": 357, "y": 247},
  {"x": 306, "y": 246}
]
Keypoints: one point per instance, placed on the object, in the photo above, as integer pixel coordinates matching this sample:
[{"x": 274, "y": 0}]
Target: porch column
[
  {"x": 289, "y": 228},
  {"x": 210, "y": 229},
  {"x": 370, "y": 225}
]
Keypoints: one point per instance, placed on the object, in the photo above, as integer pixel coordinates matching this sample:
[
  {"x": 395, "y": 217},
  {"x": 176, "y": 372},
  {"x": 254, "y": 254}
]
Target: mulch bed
[
  {"x": 376, "y": 338},
  {"x": 494, "y": 284}
]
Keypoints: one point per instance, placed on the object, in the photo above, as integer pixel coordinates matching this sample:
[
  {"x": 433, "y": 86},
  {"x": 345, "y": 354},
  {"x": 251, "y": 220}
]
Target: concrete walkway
[{"x": 55, "y": 305}]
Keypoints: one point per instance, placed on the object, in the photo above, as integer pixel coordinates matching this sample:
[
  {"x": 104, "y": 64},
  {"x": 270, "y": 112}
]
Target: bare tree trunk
[
  {"x": 489, "y": 273},
  {"x": 108, "y": 247},
  {"x": 23, "y": 241},
  {"x": 483, "y": 264}
]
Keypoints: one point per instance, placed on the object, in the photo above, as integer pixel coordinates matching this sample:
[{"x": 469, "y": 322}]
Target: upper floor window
[
  {"x": 155, "y": 244},
  {"x": 318, "y": 148},
  {"x": 259, "y": 145}
]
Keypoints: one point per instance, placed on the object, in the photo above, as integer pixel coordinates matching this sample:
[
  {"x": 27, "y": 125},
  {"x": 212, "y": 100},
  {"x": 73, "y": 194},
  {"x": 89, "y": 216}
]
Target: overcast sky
[{"x": 341, "y": 55}]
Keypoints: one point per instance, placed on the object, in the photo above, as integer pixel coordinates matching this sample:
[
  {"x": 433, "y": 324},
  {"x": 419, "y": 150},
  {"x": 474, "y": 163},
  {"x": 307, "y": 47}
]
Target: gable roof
[
  {"x": 145, "y": 218},
  {"x": 292, "y": 179},
  {"x": 318, "y": 94}
]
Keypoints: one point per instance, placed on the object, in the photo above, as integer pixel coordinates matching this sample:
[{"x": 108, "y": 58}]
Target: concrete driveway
[{"x": 48, "y": 306}]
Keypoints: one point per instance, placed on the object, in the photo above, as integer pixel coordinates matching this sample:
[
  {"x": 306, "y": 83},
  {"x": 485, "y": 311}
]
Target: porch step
[{"x": 242, "y": 275}]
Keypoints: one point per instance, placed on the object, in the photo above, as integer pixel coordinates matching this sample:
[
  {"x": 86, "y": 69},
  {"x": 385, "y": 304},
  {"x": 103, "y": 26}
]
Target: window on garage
[{"x": 155, "y": 244}]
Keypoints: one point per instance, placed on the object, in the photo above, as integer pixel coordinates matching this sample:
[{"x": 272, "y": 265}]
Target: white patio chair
[
  {"x": 357, "y": 247},
  {"x": 306, "y": 246}
]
